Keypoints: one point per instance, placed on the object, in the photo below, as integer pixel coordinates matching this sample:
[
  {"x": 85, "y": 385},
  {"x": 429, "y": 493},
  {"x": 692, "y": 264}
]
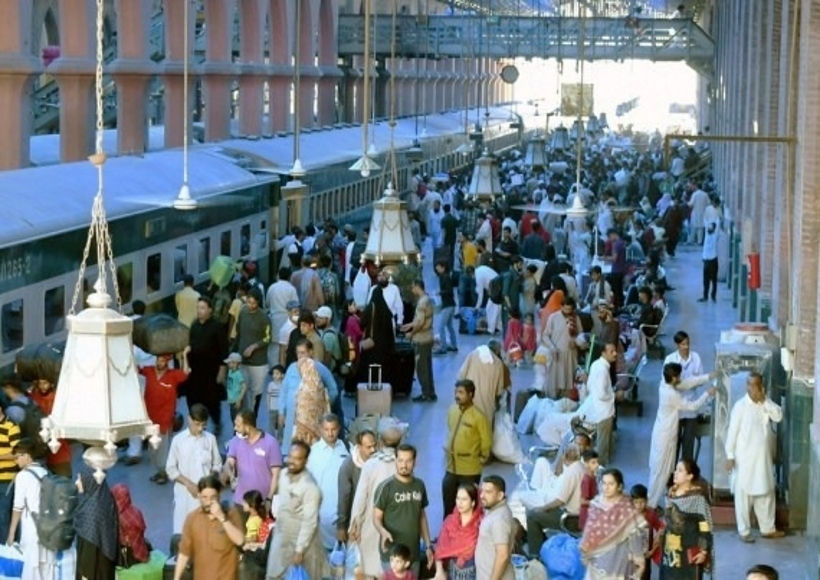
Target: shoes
[
  {"x": 747, "y": 539},
  {"x": 439, "y": 351},
  {"x": 432, "y": 398},
  {"x": 452, "y": 349},
  {"x": 160, "y": 478},
  {"x": 420, "y": 399},
  {"x": 131, "y": 461},
  {"x": 773, "y": 535},
  {"x": 701, "y": 299},
  {"x": 714, "y": 299}
]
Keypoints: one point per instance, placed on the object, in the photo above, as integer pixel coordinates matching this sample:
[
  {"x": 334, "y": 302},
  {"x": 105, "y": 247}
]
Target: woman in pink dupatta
[
  {"x": 614, "y": 535},
  {"x": 312, "y": 403}
]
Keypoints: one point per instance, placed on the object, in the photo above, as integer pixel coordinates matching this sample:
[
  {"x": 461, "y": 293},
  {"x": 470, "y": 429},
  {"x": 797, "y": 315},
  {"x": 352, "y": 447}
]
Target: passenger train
[{"x": 46, "y": 211}]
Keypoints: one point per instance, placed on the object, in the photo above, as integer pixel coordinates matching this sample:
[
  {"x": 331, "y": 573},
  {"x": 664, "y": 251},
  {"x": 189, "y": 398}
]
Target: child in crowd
[
  {"x": 259, "y": 524},
  {"x": 529, "y": 341},
  {"x": 639, "y": 493},
  {"x": 277, "y": 374},
  {"x": 234, "y": 384},
  {"x": 513, "y": 337},
  {"x": 399, "y": 564},
  {"x": 589, "y": 484}
]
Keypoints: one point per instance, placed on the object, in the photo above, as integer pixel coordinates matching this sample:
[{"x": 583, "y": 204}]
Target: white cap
[{"x": 324, "y": 312}]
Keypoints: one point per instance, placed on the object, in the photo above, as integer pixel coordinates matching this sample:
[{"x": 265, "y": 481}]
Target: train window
[
  {"x": 204, "y": 255},
  {"x": 54, "y": 310},
  {"x": 225, "y": 243},
  {"x": 125, "y": 282},
  {"x": 180, "y": 262},
  {"x": 153, "y": 273},
  {"x": 12, "y": 324},
  {"x": 245, "y": 240},
  {"x": 262, "y": 237}
]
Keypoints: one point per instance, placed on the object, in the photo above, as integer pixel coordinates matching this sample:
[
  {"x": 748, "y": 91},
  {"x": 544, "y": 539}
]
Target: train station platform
[{"x": 703, "y": 322}]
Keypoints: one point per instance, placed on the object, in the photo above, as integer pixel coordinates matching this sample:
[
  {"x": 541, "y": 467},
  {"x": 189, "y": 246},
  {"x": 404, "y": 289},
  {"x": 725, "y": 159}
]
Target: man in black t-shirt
[
  {"x": 444, "y": 321},
  {"x": 399, "y": 513}
]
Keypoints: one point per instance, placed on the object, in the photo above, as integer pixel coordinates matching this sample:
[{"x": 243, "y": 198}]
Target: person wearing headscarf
[
  {"x": 131, "y": 526},
  {"x": 312, "y": 403},
  {"x": 96, "y": 523},
  {"x": 377, "y": 323}
]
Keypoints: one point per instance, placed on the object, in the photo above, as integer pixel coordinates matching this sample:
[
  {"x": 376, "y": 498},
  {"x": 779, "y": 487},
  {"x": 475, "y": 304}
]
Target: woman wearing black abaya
[
  {"x": 379, "y": 341},
  {"x": 97, "y": 530}
]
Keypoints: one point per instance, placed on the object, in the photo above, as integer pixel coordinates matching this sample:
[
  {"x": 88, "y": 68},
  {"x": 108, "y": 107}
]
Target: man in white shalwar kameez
[
  {"x": 324, "y": 463},
  {"x": 663, "y": 448},
  {"x": 559, "y": 337},
  {"x": 749, "y": 454},
  {"x": 297, "y": 541},
  {"x": 381, "y": 466},
  {"x": 486, "y": 370},
  {"x": 194, "y": 454}
]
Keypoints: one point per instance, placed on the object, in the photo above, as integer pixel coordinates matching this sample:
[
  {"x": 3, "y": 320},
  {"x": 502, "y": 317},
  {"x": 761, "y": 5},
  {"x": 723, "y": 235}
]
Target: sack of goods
[
  {"x": 160, "y": 334},
  {"x": 222, "y": 271},
  {"x": 40, "y": 361}
]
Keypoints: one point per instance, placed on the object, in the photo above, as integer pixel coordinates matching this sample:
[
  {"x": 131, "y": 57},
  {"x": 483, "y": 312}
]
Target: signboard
[{"x": 574, "y": 98}]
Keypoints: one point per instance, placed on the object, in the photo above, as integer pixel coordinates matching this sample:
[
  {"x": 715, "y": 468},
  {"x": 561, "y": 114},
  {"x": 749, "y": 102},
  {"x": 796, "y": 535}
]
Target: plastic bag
[
  {"x": 506, "y": 446},
  {"x": 561, "y": 556},
  {"x": 353, "y": 562},
  {"x": 296, "y": 573},
  {"x": 11, "y": 561},
  {"x": 527, "y": 418},
  {"x": 337, "y": 562}
]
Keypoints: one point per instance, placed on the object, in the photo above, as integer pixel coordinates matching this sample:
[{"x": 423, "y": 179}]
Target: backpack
[
  {"x": 335, "y": 365},
  {"x": 222, "y": 305},
  {"x": 496, "y": 290},
  {"x": 347, "y": 365},
  {"x": 32, "y": 422},
  {"x": 329, "y": 283},
  {"x": 58, "y": 503}
]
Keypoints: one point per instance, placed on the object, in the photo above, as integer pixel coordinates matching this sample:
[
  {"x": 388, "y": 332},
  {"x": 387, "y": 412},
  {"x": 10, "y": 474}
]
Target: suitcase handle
[{"x": 374, "y": 386}]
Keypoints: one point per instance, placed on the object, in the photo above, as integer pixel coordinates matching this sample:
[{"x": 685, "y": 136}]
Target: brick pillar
[
  {"x": 218, "y": 70},
  {"x": 132, "y": 71},
  {"x": 18, "y": 68},
  {"x": 781, "y": 284},
  {"x": 172, "y": 71},
  {"x": 252, "y": 66},
  {"x": 807, "y": 192},
  {"x": 280, "y": 71},
  {"x": 74, "y": 73}
]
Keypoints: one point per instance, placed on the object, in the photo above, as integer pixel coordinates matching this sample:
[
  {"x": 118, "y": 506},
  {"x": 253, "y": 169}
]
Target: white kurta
[
  {"x": 487, "y": 373},
  {"x": 748, "y": 443},
  {"x": 663, "y": 448},
  {"x": 323, "y": 464},
  {"x": 194, "y": 458},
  {"x": 376, "y": 470}
]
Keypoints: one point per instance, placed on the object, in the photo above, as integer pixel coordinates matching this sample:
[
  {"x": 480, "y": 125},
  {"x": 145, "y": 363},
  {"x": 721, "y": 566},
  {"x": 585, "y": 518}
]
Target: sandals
[{"x": 159, "y": 478}]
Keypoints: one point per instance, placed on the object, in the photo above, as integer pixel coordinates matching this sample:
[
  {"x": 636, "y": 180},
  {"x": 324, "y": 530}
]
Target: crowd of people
[{"x": 571, "y": 297}]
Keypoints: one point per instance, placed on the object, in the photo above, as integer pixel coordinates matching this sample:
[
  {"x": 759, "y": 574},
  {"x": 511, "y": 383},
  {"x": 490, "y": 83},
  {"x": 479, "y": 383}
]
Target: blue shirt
[{"x": 234, "y": 385}]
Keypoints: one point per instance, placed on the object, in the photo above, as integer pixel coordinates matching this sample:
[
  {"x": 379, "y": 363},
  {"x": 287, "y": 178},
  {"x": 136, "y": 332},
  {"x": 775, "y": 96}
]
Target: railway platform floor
[{"x": 703, "y": 322}]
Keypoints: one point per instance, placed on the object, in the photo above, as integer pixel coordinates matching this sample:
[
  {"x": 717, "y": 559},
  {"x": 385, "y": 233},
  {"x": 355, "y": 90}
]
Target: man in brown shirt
[
  {"x": 420, "y": 331},
  {"x": 209, "y": 537}
]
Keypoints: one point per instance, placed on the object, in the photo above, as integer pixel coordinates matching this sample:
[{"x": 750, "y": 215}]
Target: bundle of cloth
[{"x": 549, "y": 419}]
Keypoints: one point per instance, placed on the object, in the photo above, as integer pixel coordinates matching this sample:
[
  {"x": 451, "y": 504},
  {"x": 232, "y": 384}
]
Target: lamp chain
[
  {"x": 99, "y": 225},
  {"x": 390, "y": 168}
]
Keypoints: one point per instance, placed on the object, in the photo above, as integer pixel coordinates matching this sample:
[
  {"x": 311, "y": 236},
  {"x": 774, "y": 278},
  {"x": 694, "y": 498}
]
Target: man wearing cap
[
  {"x": 252, "y": 340},
  {"x": 332, "y": 357}
]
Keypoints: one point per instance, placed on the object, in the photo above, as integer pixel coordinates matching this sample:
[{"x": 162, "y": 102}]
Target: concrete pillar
[
  {"x": 806, "y": 226},
  {"x": 132, "y": 71},
  {"x": 252, "y": 66},
  {"x": 74, "y": 73},
  {"x": 172, "y": 70},
  {"x": 18, "y": 67},
  {"x": 218, "y": 71}
]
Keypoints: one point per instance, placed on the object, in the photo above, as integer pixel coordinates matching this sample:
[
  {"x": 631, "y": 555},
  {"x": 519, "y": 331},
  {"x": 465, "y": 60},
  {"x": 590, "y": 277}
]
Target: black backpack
[
  {"x": 496, "y": 290},
  {"x": 58, "y": 503}
]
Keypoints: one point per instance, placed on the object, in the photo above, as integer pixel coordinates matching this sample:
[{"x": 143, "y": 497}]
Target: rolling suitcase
[
  {"x": 403, "y": 368},
  {"x": 374, "y": 397}
]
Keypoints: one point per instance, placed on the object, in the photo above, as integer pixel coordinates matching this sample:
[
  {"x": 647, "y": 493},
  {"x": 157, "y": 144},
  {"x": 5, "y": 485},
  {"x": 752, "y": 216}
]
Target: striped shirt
[{"x": 9, "y": 436}]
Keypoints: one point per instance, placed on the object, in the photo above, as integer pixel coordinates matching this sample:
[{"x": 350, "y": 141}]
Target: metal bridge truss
[{"x": 618, "y": 39}]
